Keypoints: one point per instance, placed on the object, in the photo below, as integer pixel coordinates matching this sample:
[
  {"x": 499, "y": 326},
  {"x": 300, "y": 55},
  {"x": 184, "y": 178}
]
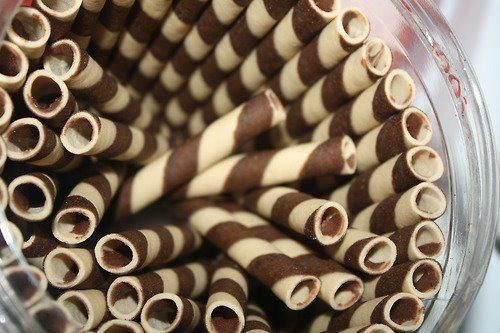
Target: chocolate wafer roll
[
  {"x": 256, "y": 320},
  {"x": 318, "y": 219},
  {"x": 13, "y": 67},
  {"x": 418, "y": 241},
  {"x": 91, "y": 135},
  {"x": 422, "y": 202},
  {"x": 3, "y": 154},
  {"x": 60, "y": 14},
  {"x": 416, "y": 165},
  {"x": 68, "y": 268},
  {"x": 30, "y": 30},
  {"x": 31, "y": 142},
  {"x": 127, "y": 295},
  {"x": 85, "y": 21},
  {"x": 402, "y": 312},
  {"x": 28, "y": 283},
  {"x": 6, "y": 111},
  {"x": 120, "y": 325},
  {"x": 246, "y": 171},
  {"x": 171, "y": 313},
  {"x": 421, "y": 278},
  {"x": 38, "y": 245},
  {"x": 373, "y": 328},
  {"x": 86, "y": 307},
  {"x": 227, "y": 301},
  {"x": 336, "y": 41},
  {"x": 49, "y": 99},
  {"x": 84, "y": 207},
  {"x": 128, "y": 251},
  {"x": 281, "y": 274},
  {"x": 372, "y": 107},
  {"x": 198, "y": 153},
  {"x": 51, "y": 317}
]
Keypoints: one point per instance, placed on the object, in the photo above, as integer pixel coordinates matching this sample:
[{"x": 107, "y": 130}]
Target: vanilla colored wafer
[
  {"x": 85, "y": 21},
  {"x": 416, "y": 165},
  {"x": 6, "y": 111},
  {"x": 127, "y": 295},
  {"x": 38, "y": 245},
  {"x": 86, "y": 307},
  {"x": 373, "y": 328},
  {"x": 246, "y": 171},
  {"x": 128, "y": 251},
  {"x": 256, "y": 320},
  {"x": 120, "y": 325},
  {"x": 13, "y": 67},
  {"x": 61, "y": 15},
  {"x": 4, "y": 195}
]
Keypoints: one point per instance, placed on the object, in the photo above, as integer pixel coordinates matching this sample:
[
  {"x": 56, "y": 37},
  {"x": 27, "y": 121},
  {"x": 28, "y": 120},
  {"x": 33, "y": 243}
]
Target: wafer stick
[
  {"x": 127, "y": 295},
  {"x": 28, "y": 283},
  {"x": 91, "y": 135},
  {"x": 218, "y": 141},
  {"x": 6, "y": 112},
  {"x": 31, "y": 142},
  {"x": 84, "y": 207},
  {"x": 87, "y": 80},
  {"x": 170, "y": 313},
  {"x": 48, "y": 98},
  {"x": 61, "y": 15},
  {"x": 246, "y": 171},
  {"x": 67, "y": 268},
  {"x": 13, "y": 67},
  {"x": 227, "y": 301},
  {"x": 85, "y": 21},
  {"x": 372, "y": 107},
  {"x": 38, "y": 245},
  {"x": 422, "y": 202},
  {"x": 373, "y": 328},
  {"x": 402, "y": 312},
  {"x": 3, "y": 154},
  {"x": 416, "y": 165},
  {"x": 51, "y": 317},
  {"x": 120, "y": 325},
  {"x": 320, "y": 220},
  {"x": 30, "y": 30},
  {"x": 256, "y": 320},
  {"x": 282, "y": 275},
  {"x": 86, "y": 307},
  {"x": 129, "y": 251},
  {"x": 4, "y": 195}
]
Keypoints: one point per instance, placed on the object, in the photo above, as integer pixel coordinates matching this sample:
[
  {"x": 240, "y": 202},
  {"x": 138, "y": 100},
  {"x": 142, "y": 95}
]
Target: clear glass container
[{"x": 449, "y": 93}]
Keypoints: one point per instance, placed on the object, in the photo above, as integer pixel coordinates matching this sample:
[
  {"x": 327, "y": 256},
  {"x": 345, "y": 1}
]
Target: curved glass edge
[{"x": 7, "y": 9}]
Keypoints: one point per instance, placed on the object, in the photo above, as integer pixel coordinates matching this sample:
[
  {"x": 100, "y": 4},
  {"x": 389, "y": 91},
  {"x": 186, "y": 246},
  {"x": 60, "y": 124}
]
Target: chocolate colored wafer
[
  {"x": 38, "y": 245},
  {"x": 85, "y": 21},
  {"x": 86, "y": 307},
  {"x": 282, "y": 275},
  {"x": 171, "y": 313},
  {"x": 28, "y": 283},
  {"x": 128, "y": 251},
  {"x": 256, "y": 320},
  {"x": 51, "y": 317},
  {"x": 127, "y": 295},
  {"x": 120, "y": 325},
  {"x": 318, "y": 219},
  {"x": 198, "y": 153},
  {"x": 416, "y": 165},
  {"x": 68, "y": 268},
  {"x": 3, "y": 154},
  {"x": 31, "y": 142},
  {"x": 84, "y": 207},
  {"x": 49, "y": 99},
  {"x": 402, "y": 312},
  {"x": 60, "y": 14},
  {"x": 246, "y": 171},
  {"x": 13, "y": 67},
  {"x": 422, "y": 202},
  {"x": 91, "y": 135},
  {"x": 6, "y": 110},
  {"x": 373, "y": 328},
  {"x": 227, "y": 301}
]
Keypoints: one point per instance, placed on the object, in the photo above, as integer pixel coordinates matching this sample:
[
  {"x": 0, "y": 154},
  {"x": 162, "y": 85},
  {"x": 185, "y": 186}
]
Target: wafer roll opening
[
  {"x": 426, "y": 276},
  {"x": 63, "y": 269},
  {"x": 78, "y": 308},
  {"x": 378, "y": 56},
  {"x": 30, "y": 198},
  {"x": 24, "y": 138},
  {"x": 428, "y": 201},
  {"x": 116, "y": 254},
  {"x": 399, "y": 88},
  {"x": 13, "y": 67},
  {"x": 162, "y": 313},
  {"x": 348, "y": 293},
  {"x": 120, "y": 326},
  {"x": 330, "y": 223},
  {"x": 355, "y": 26},
  {"x": 425, "y": 163},
  {"x": 427, "y": 240},
  {"x": 73, "y": 225},
  {"x": 29, "y": 283},
  {"x": 223, "y": 318},
  {"x": 45, "y": 95},
  {"x": 378, "y": 255},
  {"x": 29, "y": 27},
  {"x": 378, "y": 328},
  {"x": 125, "y": 299},
  {"x": 303, "y": 293},
  {"x": 404, "y": 312},
  {"x": 79, "y": 135},
  {"x": 60, "y": 8},
  {"x": 63, "y": 58},
  {"x": 417, "y": 127}
]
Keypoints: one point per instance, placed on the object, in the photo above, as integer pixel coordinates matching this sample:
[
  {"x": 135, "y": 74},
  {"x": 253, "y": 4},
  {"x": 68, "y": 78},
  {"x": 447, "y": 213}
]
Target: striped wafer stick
[
  {"x": 336, "y": 41},
  {"x": 3, "y": 154},
  {"x": 51, "y": 317},
  {"x": 373, "y": 328},
  {"x": 6, "y": 111},
  {"x": 60, "y": 14},
  {"x": 218, "y": 141},
  {"x": 108, "y": 28},
  {"x": 28, "y": 283},
  {"x": 416, "y": 165},
  {"x": 318, "y": 219},
  {"x": 87, "y": 79},
  {"x": 69, "y": 268},
  {"x": 30, "y": 30},
  {"x": 372, "y": 107},
  {"x": 32, "y": 196},
  {"x": 4, "y": 195},
  {"x": 281, "y": 274},
  {"x": 29, "y": 141},
  {"x": 424, "y": 201},
  {"x": 256, "y": 320},
  {"x": 120, "y": 325},
  {"x": 127, "y": 295},
  {"x": 421, "y": 278},
  {"x": 49, "y": 99},
  {"x": 84, "y": 207},
  {"x": 38, "y": 245},
  {"x": 364, "y": 252},
  {"x": 402, "y": 312},
  {"x": 142, "y": 23},
  {"x": 87, "y": 134},
  {"x": 85, "y": 21},
  {"x": 246, "y": 171},
  {"x": 418, "y": 241},
  {"x": 171, "y": 313},
  {"x": 128, "y": 251},
  {"x": 13, "y": 68},
  {"x": 227, "y": 301},
  {"x": 86, "y": 307}
]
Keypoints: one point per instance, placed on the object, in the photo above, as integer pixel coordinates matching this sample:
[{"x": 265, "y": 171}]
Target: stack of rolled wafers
[{"x": 154, "y": 156}]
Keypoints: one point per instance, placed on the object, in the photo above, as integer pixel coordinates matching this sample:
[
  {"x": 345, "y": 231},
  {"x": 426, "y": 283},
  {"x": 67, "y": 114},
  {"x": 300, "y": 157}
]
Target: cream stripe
[
  {"x": 312, "y": 107},
  {"x": 130, "y": 48},
  {"x": 226, "y": 10},
  {"x": 195, "y": 46},
  {"x": 117, "y": 103},
  {"x": 153, "y": 243},
  {"x": 233, "y": 274},
  {"x": 170, "y": 280},
  {"x": 285, "y": 39},
  {"x": 380, "y": 183},
  {"x": 174, "y": 29},
  {"x": 178, "y": 241},
  {"x": 197, "y": 86},
  {"x": 291, "y": 248},
  {"x": 268, "y": 199},
  {"x": 206, "y": 218},
  {"x": 250, "y": 73},
  {"x": 246, "y": 250},
  {"x": 225, "y": 55},
  {"x": 53, "y": 157},
  {"x": 300, "y": 213},
  {"x": 92, "y": 194},
  {"x": 88, "y": 77},
  {"x": 221, "y": 100},
  {"x": 200, "y": 278},
  {"x": 258, "y": 19},
  {"x": 363, "y": 313}
]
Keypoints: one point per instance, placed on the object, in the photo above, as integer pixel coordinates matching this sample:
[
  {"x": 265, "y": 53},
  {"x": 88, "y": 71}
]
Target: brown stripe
[
  {"x": 333, "y": 92},
  {"x": 393, "y": 280},
  {"x": 351, "y": 258},
  {"x": 402, "y": 177},
  {"x": 186, "y": 101},
  {"x": 383, "y": 217},
  {"x": 277, "y": 9},
  {"x": 100, "y": 55},
  {"x": 102, "y": 185},
  {"x": 48, "y": 146},
  {"x": 189, "y": 239},
  {"x": 149, "y": 149},
  {"x": 101, "y": 92},
  {"x": 58, "y": 27},
  {"x": 225, "y": 234},
  {"x": 309, "y": 66},
  {"x": 183, "y": 63},
  {"x": 271, "y": 268},
  {"x": 401, "y": 239},
  {"x": 186, "y": 280},
  {"x": 342, "y": 321},
  {"x": 122, "y": 141},
  {"x": 128, "y": 114},
  {"x": 97, "y": 278},
  {"x": 211, "y": 73},
  {"x": 151, "y": 285},
  {"x": 341, "y": 123},
  {"x": 236, "y": 89},
  {"x": 84, "y": 23},
  {"x": 187, "y": 316},
  {"x": 142, "y": 26},
  {"x": 161, "y": 48},
  {"x": 248, "y": 172},
  {"x": 121, "y": 66},
  {"x": 113, "y": 16},
  {"x": 182, "y": 164},
  {"x": 378, "y": 314},
  {"x": 209, "y": 114},
  {"x": 42, "y": 244},
  {"x": 358, "y": 196},
  {"x": 325, "y": 159},
  {"x": 242, "y": 39},
  {"x": 317, "y": 266},
  {"x": 306, "y": 21},
  {"x": 282, "y": 208},
  {"x": 62, "y": 116},
  {"x": 65, "y": 159},
  {"x": 252, "y": 198},
  {"x": 124, "y": 208},
  {"x": 139, "y": 242},
  {"x": 267, "y": 233},
  {"x": 382, "y": 108},
  {"x": 256, "y": 116},
  {"x": 188, "y": 11},
  {"x": 296, "y": 125},
  {"x": 160, "y": 93},
  {"x": 209, "y": 27},
  {"x": 268, "y": 58},
  {"x": 166, "y": 245},
  {"x": 140, "y": 82},
  {"x": 231, "y": 287},
  {"x": 77, "y": 201}
]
